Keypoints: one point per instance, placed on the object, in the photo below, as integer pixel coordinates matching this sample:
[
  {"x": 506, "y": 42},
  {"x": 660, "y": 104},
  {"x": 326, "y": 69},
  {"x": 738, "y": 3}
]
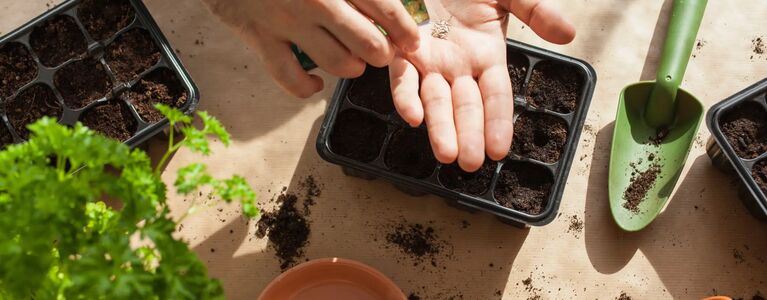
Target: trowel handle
[{"x": 683, "y": 27}]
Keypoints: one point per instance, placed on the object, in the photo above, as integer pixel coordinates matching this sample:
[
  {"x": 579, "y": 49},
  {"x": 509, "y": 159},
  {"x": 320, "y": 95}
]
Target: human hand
[
  {"x": 339, "y": 38},
  {"x": 460, "y": 85}
]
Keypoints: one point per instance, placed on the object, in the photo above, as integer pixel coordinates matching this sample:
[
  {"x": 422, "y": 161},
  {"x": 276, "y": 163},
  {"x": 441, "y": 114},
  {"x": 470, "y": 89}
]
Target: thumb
[{"x": 543, "y": 19}]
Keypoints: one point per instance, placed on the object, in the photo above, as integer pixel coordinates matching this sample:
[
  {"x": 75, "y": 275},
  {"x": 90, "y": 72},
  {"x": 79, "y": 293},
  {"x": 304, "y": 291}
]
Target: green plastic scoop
[{"x": 655, "y": 127}]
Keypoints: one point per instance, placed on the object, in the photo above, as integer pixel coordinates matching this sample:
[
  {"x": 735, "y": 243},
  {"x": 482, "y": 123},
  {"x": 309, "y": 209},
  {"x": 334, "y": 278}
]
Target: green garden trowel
[{"x": 655, "y": 127}]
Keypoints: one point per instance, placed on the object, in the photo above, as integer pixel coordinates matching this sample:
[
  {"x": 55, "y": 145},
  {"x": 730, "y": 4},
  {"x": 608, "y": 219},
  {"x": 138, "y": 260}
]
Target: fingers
[
  {"x": 404, "y": 87},
  {"x": 285, "y": 69},
  {"x": 395, "y": 20},
  {"x": 329, "y": 54},
  {"x": 469, "y": 123},
  {"x": 495, "y": 87},
  {"x": 544, "y": 20},
  {"x": 438, "y": 109},
  {"x": 360, "y": 36}
]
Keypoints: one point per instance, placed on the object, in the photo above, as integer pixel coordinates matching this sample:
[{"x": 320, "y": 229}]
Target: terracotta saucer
[{"x": 332, "y": 279}]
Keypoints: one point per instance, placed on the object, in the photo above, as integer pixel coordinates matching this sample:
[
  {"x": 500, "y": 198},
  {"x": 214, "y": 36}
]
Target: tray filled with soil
[
  {"x": 104, "y": 63},
  {"x": 738, "y": 143},
  {"x": 364, "y": 135}
]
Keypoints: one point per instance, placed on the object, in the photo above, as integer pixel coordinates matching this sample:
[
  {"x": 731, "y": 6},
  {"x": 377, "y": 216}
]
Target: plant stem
[{"x": 171, "y": 149}]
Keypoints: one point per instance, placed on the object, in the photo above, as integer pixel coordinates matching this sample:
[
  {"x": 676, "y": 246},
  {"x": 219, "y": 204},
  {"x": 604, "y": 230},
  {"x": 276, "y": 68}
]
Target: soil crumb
[
  {"x": 312, "y": 190},
  {"x": 417, "y": 241},
  {"x": 624, "y": 296},
  {"x": 287, "y": 230},
  {"x": 530, "y": 288},
  {"x": 576, "y": 225},
  {"x": 759, "y": 46},
  {"x": 659, "y": 136},
  {"x": 641, "y": 183},
  {"x": 738, "y": 255},
  {"x": 413, "y": 296}
]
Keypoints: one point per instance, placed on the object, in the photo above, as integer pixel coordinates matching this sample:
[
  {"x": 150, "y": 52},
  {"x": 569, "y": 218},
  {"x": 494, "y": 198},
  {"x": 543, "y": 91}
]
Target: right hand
[{"x": 339, "y": 38}]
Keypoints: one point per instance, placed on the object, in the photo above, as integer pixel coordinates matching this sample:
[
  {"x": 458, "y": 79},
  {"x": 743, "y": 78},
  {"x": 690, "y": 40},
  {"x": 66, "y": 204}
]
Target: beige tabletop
[{"x": 705, "y": 241}]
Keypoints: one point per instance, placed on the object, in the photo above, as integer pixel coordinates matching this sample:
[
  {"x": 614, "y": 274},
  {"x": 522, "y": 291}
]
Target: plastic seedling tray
[
  {"x": 738, "y": 143},
  {"x": 103, "y": 63},
  {"x": 364, "y": 135}
]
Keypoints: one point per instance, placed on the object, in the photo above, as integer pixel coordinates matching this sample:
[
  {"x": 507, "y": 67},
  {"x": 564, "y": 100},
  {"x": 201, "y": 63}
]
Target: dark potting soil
[
  {"x": 524, "y": 186},
  {"x": 454, "y": 178},
  {"x": 759, "y": 172},
  {"x": 113, "y": 119},
  {"x": 287, "y": 230},
  {"x": 518, "y": 65},
  {"x": 132, "y": 53},
  {"x": 417, "y": 241},
  {"x": 554, "y": 87},
  {"x": 623, "y": 296},
  {"x": 745, "y": 128},
  {"x": 5, "y": 136},
  {"x": 17, "y": 67},
  {"x": 641, "y": 183},
  {"x": 409, "y": 153},
  {"x": 576, "y": 225},
  {"x": 413, "y": 296},
  {"x": 159, "y": 86},
  {"x": 104, "y": 18},
  {"x": 539, "y": 136},
  {"x": 82, "y": 82},
  {"x": 357, "y": 135},
  {"x": 30, "y": 105},
  {"x": 57, "y": 40},
  {"x": 372, "y": 90}
]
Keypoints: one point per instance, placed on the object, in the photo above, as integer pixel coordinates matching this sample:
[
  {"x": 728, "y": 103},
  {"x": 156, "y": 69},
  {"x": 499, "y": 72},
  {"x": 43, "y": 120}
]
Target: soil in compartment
[
  {"x": 57, "y": 40},
  {"x": 454, "y": 178},
  {"x": 17, "y": 68},
  {"x": 5, "y": 136},
  {"x": 357, "y": 135},
  {"x": 81, "y": 82},
  {"x": 518, "y": 65},
  {"x": 160, "y": 86},
  {"x": 132, "y": 53},
  {"x": 524, "y": 186},
  {"x": 372, "y": 90},
  {"x": 745, "y": 127},
  {"x": 539, "y": 136},
  {"x": 409, "y": 153},
  {"x": 103, "y": 18},
  {"x": 759, "y": 172},
  {"x": 113, "y": 119},
  {"x": 30, "y": 105},
  {"x": 555, "y": 87}
]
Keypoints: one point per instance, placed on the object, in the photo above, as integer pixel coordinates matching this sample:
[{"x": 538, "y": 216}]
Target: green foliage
[{"x": 59, "y": 240}]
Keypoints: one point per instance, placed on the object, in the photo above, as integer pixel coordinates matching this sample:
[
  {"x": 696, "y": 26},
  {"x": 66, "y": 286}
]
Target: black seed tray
[
  {"x": 168, "y": 65},
  {"x": 731, "y": 159},
  {"x": 386, "y": 123}
]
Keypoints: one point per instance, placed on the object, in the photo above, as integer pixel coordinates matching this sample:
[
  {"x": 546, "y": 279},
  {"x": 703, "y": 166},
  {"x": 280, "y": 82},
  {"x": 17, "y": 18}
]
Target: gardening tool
[{"x": 655, "y": 126}]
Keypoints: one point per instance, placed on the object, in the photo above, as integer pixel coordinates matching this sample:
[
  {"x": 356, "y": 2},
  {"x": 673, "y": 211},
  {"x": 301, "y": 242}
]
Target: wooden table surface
[{"x": 704, "y": 242}]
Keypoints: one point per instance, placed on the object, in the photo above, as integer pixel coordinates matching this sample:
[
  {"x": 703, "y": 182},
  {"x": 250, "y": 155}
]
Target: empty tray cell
[
  {"x": 518, "y": 65},
  {"x": 745, "y": 127},
  {"x": 524, "y": 186},
  {"x": 82, "y": 82},
  {"x": 357, "y": 135},
  {"x": 103, "y": 18},
  {"x": 554, "y": 86},
  {"x": 132, "y": 53},
  {"x": 5, "y": 136},
  {"x": 57, "y": 40},
  {"x": 113, "y": 119},
  {"x": 454, "y": 178},
  {"x": 17, "y": 68},
  {"x": 409, "y": 153},
  {"x": 30, "y": 105},
  {"x": 372, "y": 90},
  {"x": 161, "y": 86},
  {"x": 539, "y": 136}
]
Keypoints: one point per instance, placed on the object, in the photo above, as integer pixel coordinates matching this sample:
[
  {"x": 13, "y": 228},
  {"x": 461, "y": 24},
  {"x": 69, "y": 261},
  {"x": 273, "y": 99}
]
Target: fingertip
[
  {"x": 472, "y": 164},
  {"x": 471, "y": 156},
  {"x": 497, "y": 143},
  {"x": 445, "y": 152}
]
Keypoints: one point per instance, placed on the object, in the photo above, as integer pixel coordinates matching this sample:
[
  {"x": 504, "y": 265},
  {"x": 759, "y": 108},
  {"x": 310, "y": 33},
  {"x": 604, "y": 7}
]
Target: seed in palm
[{"x": 440, "y": 29}]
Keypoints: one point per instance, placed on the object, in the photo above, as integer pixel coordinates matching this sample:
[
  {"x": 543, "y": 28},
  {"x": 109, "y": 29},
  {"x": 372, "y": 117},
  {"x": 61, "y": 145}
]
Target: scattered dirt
[
  {"x": 17, "y": 67},
  {"x": 530, "y": 288},
  {"x": 419, "y": 242},
  {"x": 104, "y": 18},
  {"x": 57, "y": 41},
  {"x": 132, "y": 53},
  {"x": 659, "y": 136},
  {"x": 539, "y": 136},
  {"x": 477, "y": 183},
  {"x": 641, "y": 183},
  {"x": 160, "y": 86},
  {"x": 524, "y": 186},
  {"x": 113, "y": 119},
  {"x": 554, "y": 87},
  {"x": 312, "y": 190},
  {"x": 413, "y": 296},
  {"x": 518, "y": 64},
  {"x": 372, "y": 90},
  {"x": 623, "y": 296},
  {"x": 409, "y": 153},
  {"x": 30, "y": 105},
  {"x": 82, "y": 82},
  {"x": 357, "y": 135},
  {"x": 759, "y": 172},
  {"x": 576, "y": 225},
  {"x": 745, "y": 127},
  {"x": 5, "y": 137},
  {"x": 698, "y": 46},
  {"x": 759, "y": 46},
  {"x": 738, "y": 255}
]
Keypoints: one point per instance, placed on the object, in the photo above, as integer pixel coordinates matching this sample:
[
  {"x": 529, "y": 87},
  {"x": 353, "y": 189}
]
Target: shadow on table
[
  {"x": 704, "y": 241},
  {"x": 351, "y": 219}
]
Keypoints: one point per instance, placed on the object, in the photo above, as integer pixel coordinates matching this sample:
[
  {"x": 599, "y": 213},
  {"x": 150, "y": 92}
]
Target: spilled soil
[
  {"x": 641, "y": 183},
  {"x": 418, "y": 242}
]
